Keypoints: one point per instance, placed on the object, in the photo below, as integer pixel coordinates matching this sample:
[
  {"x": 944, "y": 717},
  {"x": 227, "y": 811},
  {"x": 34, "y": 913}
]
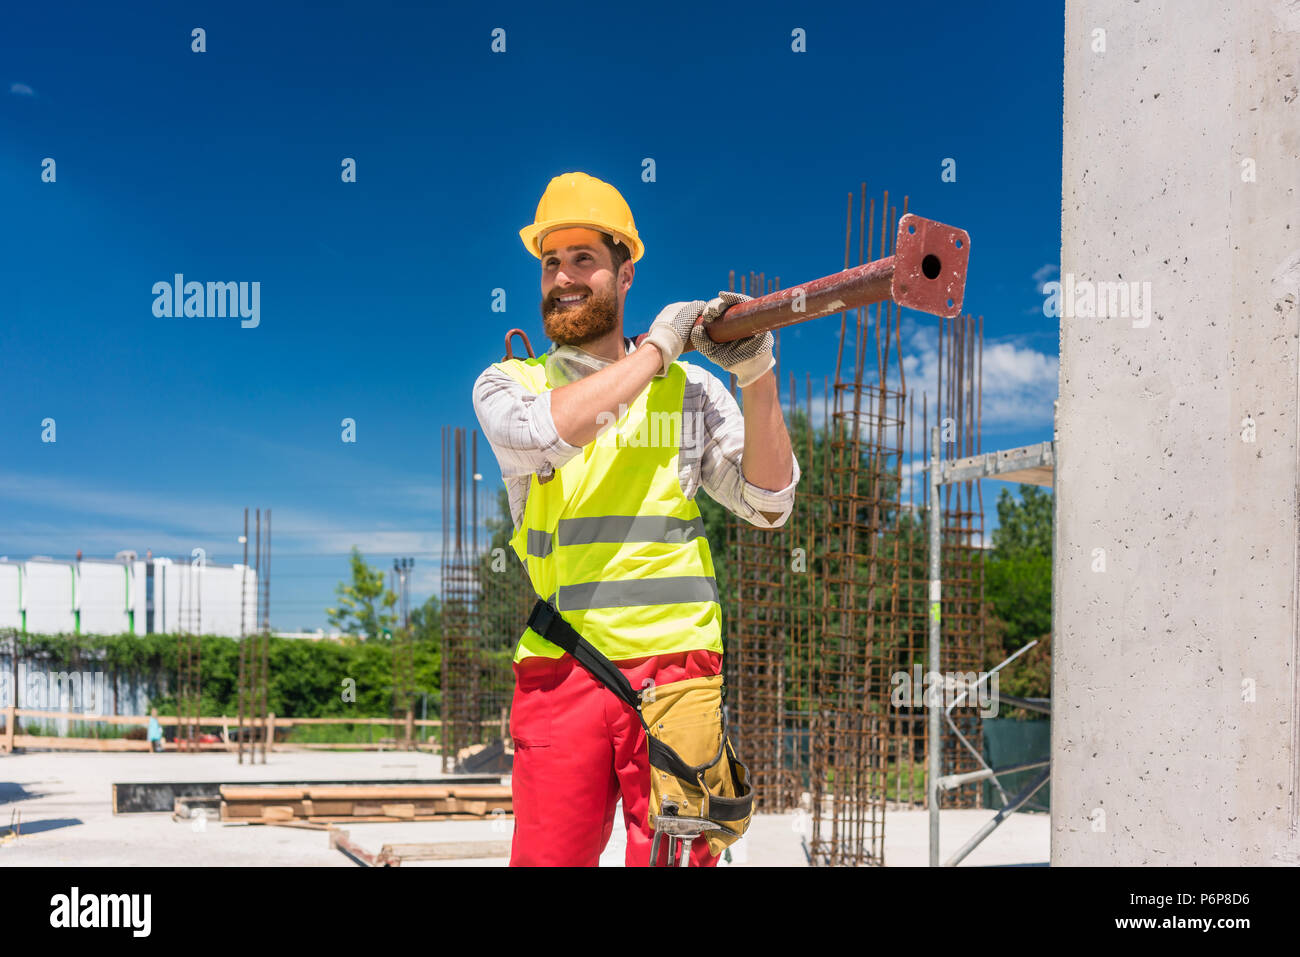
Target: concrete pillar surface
[{"x": 1175, "y": 732}]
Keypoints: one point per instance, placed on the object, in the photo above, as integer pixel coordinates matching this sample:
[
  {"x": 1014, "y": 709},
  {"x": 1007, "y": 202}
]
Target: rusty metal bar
[{"x": 926, "y": 272}]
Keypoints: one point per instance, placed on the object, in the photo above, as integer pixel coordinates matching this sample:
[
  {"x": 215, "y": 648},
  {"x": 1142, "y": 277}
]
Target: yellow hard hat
[{"x": 576, "y": 199}]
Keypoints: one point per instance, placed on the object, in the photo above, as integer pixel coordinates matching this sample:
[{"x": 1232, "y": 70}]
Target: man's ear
[{"x": 630, "y": 268}]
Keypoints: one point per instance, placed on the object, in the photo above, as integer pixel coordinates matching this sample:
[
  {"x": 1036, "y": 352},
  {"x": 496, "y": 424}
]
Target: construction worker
[{"x": 605, "y": 517}]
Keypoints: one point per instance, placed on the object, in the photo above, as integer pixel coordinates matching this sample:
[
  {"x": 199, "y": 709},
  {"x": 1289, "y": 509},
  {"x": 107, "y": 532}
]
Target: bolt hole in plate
[{"x": 930, "y": 261}]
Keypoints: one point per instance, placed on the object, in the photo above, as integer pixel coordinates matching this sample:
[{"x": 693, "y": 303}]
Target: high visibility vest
[{"x": 610, "y": 539}]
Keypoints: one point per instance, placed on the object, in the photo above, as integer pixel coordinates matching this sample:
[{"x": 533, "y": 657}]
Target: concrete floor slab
[{"x": 66, "y": 805}]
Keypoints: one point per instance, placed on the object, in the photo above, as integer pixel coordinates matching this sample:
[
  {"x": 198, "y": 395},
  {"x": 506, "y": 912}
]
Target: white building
[{"x": 127, "y": 595}]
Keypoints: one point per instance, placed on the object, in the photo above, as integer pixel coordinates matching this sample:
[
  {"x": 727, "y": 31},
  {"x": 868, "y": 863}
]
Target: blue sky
[{"x": 376, "y": 295}]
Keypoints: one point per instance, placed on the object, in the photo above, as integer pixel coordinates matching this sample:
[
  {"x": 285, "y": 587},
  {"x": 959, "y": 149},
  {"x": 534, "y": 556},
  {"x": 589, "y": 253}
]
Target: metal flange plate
[{"x": 930, "y": 266}]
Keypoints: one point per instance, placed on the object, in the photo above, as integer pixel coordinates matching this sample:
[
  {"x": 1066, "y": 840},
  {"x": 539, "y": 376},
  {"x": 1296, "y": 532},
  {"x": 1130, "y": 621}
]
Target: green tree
[
  {"x": 426, "y": 633},
  {"x": 1018, "y": 576},
  {"x": 1018, "y": 590},
  {"x": 426, "y": 621},
  {"x": 1024, "y": 527},
  {"x": 362, "y": 603}
]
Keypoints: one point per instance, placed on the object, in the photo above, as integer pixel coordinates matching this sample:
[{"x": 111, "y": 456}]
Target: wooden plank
[
  {"x": 431, "y": 807},
  {"x": 51, "y": 743},
  {"x": 445, "y": 851},
  {"x": 311, "y": 807},
  {"x": 248, "y": 792},
  {"x": 340, "y": 840},
  {"x": 460, "y": 806},
  {"x": 159, "y": 796},
  {"x": 78, "y": 744},
  {"x": 264, "y": 814},
  {"x": 168, "y": 720},
  {"x": 244, "y": 809},
  {"x": 297, "y": 823},
  {"x": 378, "y": 792},
  {"x": 481, "y": 790},
  {"x": 297, "y": 721},
  {"x": 449, "y": 806},
  {"x": 96, "y": 718},
  {"x": 394, "y": 811}
]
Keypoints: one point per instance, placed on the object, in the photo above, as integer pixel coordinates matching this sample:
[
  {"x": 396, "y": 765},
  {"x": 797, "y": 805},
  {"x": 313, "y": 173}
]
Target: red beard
[{"x": 578, "y": 325}]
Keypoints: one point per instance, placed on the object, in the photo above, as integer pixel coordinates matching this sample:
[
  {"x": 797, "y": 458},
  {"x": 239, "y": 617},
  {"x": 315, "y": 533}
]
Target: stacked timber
[{"x": 358, "y": 803}]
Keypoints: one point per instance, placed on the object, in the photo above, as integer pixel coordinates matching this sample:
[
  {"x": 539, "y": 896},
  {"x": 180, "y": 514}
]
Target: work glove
[
  {"x": 672, "y": 329},
  {"x": 747, "y": 358}
]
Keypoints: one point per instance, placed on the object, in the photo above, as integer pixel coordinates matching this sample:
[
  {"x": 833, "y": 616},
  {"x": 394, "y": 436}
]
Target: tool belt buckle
[{"x": 680, "y": 831}]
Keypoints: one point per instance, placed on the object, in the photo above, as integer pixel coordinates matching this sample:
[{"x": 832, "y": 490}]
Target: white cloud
[
  {"x": 1042, "y": 276},
  {"x": 1019, "y": 383},
  {"x": 175, "y": 523},
  {"x": 21, "y": 89}
]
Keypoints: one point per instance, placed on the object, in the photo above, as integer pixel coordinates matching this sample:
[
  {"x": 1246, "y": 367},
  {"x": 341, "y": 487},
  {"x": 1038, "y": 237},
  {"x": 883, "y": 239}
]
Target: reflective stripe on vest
[
  {"x": 615, "y": 528},
  {"x": 638, "y": 591},
  {"x": 611, "y": 540},
  {"x": 539, "y": 543}
]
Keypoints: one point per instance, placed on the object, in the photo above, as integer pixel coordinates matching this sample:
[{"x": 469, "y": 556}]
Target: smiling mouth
[{"x": 571, "y": 299}]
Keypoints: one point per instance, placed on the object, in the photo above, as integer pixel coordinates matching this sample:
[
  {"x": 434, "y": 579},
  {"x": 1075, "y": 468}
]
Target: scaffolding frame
[{"x": 1032, "y": 465}]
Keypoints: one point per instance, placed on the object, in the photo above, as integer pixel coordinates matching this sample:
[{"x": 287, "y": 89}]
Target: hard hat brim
[{"x": 532, "y": 235}]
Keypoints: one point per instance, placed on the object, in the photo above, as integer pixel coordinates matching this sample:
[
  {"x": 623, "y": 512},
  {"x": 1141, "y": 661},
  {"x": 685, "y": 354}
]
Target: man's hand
[
  {"x": 672, "y": 328},
  {"x": 746, "y": 358}
]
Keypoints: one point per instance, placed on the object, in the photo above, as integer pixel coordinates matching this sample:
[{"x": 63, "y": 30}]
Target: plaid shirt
[{"x": 518, "y": 426}]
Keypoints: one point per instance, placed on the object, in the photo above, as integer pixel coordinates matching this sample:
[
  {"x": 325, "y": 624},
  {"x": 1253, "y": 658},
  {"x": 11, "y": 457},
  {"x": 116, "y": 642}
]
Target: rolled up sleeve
[
  {"x": 518, "y": 426},
  {"x": 721, "y": 472}
]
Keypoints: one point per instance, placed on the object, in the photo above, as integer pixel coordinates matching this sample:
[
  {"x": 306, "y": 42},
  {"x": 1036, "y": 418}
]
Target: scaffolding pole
[
  {"x": 936, "y": 588},
  {"x": 1032, "y": 464}
]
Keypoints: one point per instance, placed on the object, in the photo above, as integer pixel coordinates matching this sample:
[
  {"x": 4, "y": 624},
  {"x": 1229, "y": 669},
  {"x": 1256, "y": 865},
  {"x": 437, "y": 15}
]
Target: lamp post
[{"x": 402, "y": 568}]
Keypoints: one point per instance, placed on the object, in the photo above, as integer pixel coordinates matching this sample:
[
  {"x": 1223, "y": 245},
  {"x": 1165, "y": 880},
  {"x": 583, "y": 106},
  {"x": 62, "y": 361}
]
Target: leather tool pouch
[{"x": 694, "y": 771}]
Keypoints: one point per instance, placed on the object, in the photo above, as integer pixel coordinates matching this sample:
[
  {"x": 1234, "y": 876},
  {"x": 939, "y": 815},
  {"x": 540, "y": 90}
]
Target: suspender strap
[{"x": 550, "y": 624}]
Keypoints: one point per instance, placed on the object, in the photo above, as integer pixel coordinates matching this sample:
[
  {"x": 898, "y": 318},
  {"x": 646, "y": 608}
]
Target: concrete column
[{"x": 1175, "y": 695}]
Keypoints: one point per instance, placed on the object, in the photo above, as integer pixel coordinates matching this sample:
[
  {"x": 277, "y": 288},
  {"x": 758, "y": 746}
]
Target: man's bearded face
[
  {"x": 585, "y": 307},
  {"x": 588, "y": 314}
]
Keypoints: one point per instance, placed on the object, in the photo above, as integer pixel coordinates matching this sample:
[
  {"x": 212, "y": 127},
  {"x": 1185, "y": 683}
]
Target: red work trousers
[{"x": 578, "y": 749}]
